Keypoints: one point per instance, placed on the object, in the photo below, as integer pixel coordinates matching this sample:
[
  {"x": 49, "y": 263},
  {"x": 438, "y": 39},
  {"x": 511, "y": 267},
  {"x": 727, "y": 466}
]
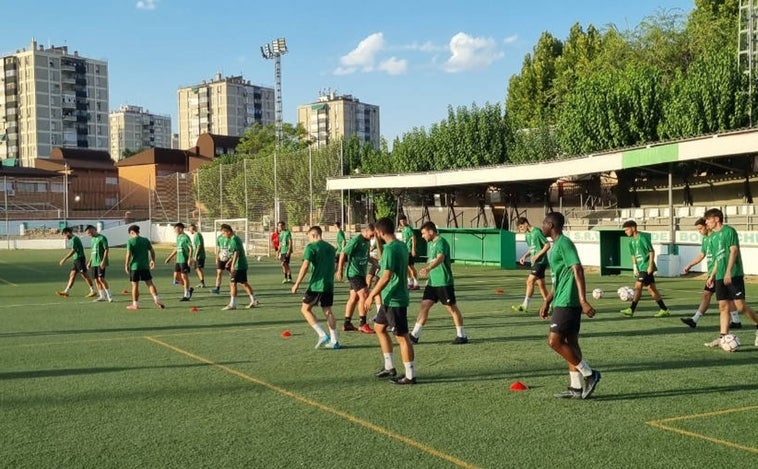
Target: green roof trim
[{"x": 648, "y": 156}]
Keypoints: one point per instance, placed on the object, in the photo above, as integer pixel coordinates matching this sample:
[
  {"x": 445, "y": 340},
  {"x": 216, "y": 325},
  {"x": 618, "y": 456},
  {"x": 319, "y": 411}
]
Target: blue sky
[{"x": 411, "y": 58}]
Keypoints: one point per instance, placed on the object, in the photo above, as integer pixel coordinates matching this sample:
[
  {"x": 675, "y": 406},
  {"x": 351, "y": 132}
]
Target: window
[{"x": 110, "y": 180}]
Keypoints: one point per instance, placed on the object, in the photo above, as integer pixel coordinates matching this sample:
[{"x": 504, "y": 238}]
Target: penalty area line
[{"x": 309, "y": 402}]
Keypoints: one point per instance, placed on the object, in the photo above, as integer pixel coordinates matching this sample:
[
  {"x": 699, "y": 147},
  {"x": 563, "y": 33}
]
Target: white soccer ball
[
  {"x": 730, "y": 343},
  {"x": 258, "y": 258},
  {"x": 597, "y": 293},
  {"x": 625, "y": 293}
]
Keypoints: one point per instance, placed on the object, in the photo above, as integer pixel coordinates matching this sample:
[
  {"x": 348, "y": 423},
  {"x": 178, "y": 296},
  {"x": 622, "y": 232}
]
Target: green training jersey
[
  {"x": 640, "y": 248},
  {"x": 706, "y": 250},
  {"x": 408, "y": 236},
  {"x": 198, "y": 243},
  {"x": 236, "y": 245},
  {"x": 535, "y": 240},
  {"x": 320, "y": 255},
  {"x": 76, "y": 245},
  {"x": 442, "y": 275},
  {"x": 341, "y": 240},
  {"x": 357, "y": 251},
  {"x": 222, "y": 244},
  {"x": 183, "y": 244},
  {"x": 284, "y": 238},
  {"x": 395, "y": 259},
  {"x": 139, "y": 250},
  {"x": 563, "y": 256},
  {"x": 722, "y": 242},
  {"x": 98, "y": 246}
]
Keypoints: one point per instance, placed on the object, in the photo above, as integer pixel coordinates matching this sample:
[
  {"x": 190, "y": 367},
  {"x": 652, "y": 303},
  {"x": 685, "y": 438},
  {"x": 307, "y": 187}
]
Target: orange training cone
[{"x": 519, "y": 386}]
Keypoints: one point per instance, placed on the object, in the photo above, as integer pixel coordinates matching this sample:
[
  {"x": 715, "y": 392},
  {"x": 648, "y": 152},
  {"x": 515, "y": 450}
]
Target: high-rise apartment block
[
  {"x": 135, "y": 129},
  {"x": 340, "y": 116},
  {"x": 223, "y": 106},
  {"x": 51, "y": 98}
]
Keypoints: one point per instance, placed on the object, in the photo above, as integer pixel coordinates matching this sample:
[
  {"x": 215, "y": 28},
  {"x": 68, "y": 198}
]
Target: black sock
[
  {"x": 363, "y": 320},
  {"x": 347, "y": 321},
  {"x": 661, "y": 304},
  {"x": 634, "y": 305}
]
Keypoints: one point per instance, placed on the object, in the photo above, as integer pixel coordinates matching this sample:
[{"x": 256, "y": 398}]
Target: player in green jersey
[
  {"x": 643, "y": 263},
  {"x": 568, "y": 300},
  {"x": 98, "y": 261},
  {"x": 237, "y": 265},
  {"x": 341, "y": 240},
  {"x": 198, "y": 254},
  {"x": 139, "y": 261},
  {"x": 183, "y": 254},
  {"x": 356, "y": 256},
  {"x": 80, "y": 264},
  {"x": 319, "y": 256},
  {"x": 285, "y": 251},
  {"x": 537, "y": 248},
  {"x": 409, "y": 238}
]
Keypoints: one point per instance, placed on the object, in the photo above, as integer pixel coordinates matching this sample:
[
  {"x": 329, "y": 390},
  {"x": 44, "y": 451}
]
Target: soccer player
[
  {"x": 727, "y": 274},
  {"x": 341, "y": 240},
  {"x": 285, "y": 251},
  {"x": 237, "y": 265},
  {"x": 537, "y": 247},
  {"x": 643, "y": 263},
  {"x": 198, "y": 253},
  {"x": 79, "y": 266},
  {"x": 708, "y": 291},
  {"x": 393, "y": 315},
  {"x": 375, "y": 253},
  {"x": 139, "y": 261},
  {"x": 356, "y": 255},
  {"x": 568, "y": 300},
  {"x": 409, "y": 238},
  {"x": 98, "y": 261},
  {"x": 440, "y": 286},
  {"x": 222, "y": 257},
  {"x": 183, "y": 253},
  {"x": 320, "y": 256}
]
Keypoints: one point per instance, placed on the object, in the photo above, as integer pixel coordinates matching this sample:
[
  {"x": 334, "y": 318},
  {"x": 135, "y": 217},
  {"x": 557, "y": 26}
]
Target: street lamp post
[{"x": 274, "y": 51}]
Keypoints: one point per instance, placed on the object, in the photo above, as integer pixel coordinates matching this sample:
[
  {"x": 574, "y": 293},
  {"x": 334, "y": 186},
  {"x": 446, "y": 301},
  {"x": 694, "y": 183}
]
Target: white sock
[
  {"x": 101, "y": 294},
  {"x": 735, "y": 316},
  {"x": 134, "y": 303},
  {"x": 460, "y": 331},
  {"x": 576, "y": 379},
  {"x": 252, "y": 298},
  {"x": 584, "y": 368},
  {"x": 108, "y": 293},
  {"x": 233, "y": 301},
  {"x": 417, "y": 330},
  {"x": 186, "y": 293},
  {"x": 319, "y": 330},
  {"x": 66, "y": 290},
  {"x": 92, "y": 289},
  {"x": 415, "y": 282},
  {"x": 526, "y": 302},
  {"x": 333, "y": 336},
  {"x": 156, "y": 298},
  {"x": 410, "y": 281},
  {"x": 697, "y": 317},
  {"x": 410, "y": 370},
  {"x": 389, "y": 362}
]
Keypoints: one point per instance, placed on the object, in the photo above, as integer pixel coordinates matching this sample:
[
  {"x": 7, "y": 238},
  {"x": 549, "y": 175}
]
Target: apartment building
[
  {"x": 333, "y": 117},
  {"x": 223, "y": 106},
  {"x": 134, "y": 129},
  {"x": 51, "y": 98}
]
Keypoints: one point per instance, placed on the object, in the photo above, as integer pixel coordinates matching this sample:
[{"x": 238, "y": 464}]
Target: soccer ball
[
  {"x": 258, "y": 258},
  {"x": 625, "y": 293},
  {"x": 730, "y": 343},
  {"x": 597, "y": 293}
]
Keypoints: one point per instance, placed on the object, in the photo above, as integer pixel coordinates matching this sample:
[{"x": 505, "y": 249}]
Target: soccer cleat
[
  {"x": 689, "y": 322},
  {"x": 365, "y": 329},
  {"x": 110, "y": 300},
  {"x": 322, "y": 341},
  {"x": 216, "y": 290},
  {"x": 62, "y": 293},
  {"x": 627, "y": 312},
  {"x": 191, "y": 291},
  {"x": 735, "y": 325},
  {"x": 253, "y": 304},
  {"x": 385, "y": 373},
  {"x": 185, "y": 298},
  {"x": 285, "y": 281},
  {"x": 414, "y": 287},
  {"x": 590, "y": 383},
  {"x": 460, "y": 340},
  {"x": 174, "y": 282},
  {"x": 569, "y": 393},
  {"x": 200, "y": 285},
  {"x": 662, "y": 314},
  {"x": 90, "y": 295},
  {"x": 756, "y": 338},
  {"x": 132, "y": 307},
  {"x": 99, "y": 300},
  {"x": 333, "y": 346},
  {"x": 403, "y": 380},
  {"x": 348, "y": 326},
  {"x": 159, "y": 304},
  {"x": 714, "y": 343},
  {"x": 413, "y": 338},
  {"x": 228, "y": 308},
  {"x": 519, "y": 309}
]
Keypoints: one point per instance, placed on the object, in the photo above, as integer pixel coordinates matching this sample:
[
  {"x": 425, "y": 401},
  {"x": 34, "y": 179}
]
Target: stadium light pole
[{"x": 274, "y": 51}]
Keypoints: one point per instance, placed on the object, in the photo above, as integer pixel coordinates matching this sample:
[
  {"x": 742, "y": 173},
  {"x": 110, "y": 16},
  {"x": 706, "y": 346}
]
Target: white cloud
[
  {"x": 146, "y": 4},
  {"x": 471, "y": 53},
  {"x": 363, "y": 56},
  {"x": 394, "y": 66},
  {"x": 510, "y": 39},
  {"x": 427, "y": 46}
]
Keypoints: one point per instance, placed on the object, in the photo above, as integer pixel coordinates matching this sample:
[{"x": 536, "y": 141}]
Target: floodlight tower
[{"x": 275, "y": 51}]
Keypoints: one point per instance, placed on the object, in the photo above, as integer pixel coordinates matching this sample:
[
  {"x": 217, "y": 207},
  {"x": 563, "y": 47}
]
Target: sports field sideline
[{"x": 94, "y": 385}]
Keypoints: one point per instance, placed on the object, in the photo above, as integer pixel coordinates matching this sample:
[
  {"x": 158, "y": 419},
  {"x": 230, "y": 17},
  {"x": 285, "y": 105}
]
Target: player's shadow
[
  {"x": 55, "y": 373},
  {"x": 674, "y": 392}
]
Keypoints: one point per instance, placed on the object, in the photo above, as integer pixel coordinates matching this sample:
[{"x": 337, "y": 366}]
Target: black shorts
[
  {"x": 200, "y": 263},
  {"x": 411, "y": 261},
  {"x": 538, "y": 270},
  {"x": 239, "y": 276},
  {"x": 373, "y": 266},
  {"x": 394, "y": 317},
  {"x": 733, "y": 291},
  {"x": 645, "y": 278},
  {"x": 181, "y": 267},
  {"x": 317, "y": 298},
  {"x": 285, "y": 258},
  {"x": 566, "y": 320},
  {"x": 445, "y": 295},
  {"x": 98, "y": 272},
  {"x": 357, "y": 283},
  {"x": 80, "y": 265},
  {"x": 710, "y": 289},
  {"x": 221, "y": 265},
  {"x": 140, "y": 275}
]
